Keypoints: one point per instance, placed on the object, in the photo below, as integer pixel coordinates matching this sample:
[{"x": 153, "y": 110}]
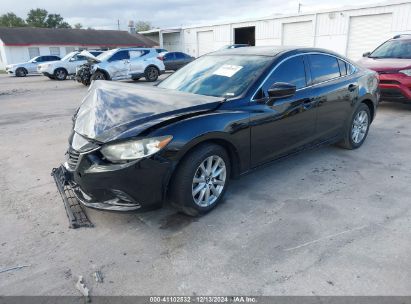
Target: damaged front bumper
[{"x": 75, "y": 213}]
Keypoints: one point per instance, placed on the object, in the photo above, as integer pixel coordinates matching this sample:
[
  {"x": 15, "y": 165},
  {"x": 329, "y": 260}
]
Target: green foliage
[
  {"x": 11, "y": 20},
  {"x": 142, "y": 26},
  {"x": 35, "y": 18},
  {"x": 78, "y": 26}
]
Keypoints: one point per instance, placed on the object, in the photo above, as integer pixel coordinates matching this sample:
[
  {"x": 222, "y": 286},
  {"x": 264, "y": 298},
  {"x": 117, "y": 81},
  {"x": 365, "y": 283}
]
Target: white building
[
  {"x": 19, "y": 44},
  {"x": 351, "y": 31}
]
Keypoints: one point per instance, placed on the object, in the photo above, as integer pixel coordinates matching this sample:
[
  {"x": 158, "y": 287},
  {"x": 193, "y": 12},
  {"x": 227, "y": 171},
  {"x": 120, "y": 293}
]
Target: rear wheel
[
  {"x": 98, "y": 76},
  {"x": 60, "y": 74},
  {"x": 151, "y": 73},
  {"x": 21, "y": 72},
  {"x": 201, "y": 180},
  {"x": 356, "y": 132}
]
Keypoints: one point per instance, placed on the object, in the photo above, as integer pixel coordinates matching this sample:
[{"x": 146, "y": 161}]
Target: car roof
[{"x": 271, "y": 51}]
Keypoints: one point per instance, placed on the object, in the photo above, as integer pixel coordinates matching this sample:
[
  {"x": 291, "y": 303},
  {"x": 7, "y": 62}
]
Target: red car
[{"x": 392, "y": 61}]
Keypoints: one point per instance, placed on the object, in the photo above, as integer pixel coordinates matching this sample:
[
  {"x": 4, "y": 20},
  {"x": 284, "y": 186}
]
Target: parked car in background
[
  {"x": 161, "y": 51},
  {"x": 234, "y": 46},
  {"x": 175, "y": 60},
  {"x": 392, "y": 61},
  {"x": 59, "y": 70},
  {"x": 30, "y": 67},
  {"x": 122, "y": 63},
  {"x": 221, "y": 116}
]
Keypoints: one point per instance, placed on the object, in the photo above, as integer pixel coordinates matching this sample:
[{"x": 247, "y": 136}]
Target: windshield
[
  {"x": 393, "y": 49},
  {"x": 106, "y": 55},
  {"x": 219, "y": 76},
  {"x": 68, "y": 56}
]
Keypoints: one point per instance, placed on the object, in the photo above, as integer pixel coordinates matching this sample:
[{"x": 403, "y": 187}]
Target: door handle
[{"x": 352, "y": 87}]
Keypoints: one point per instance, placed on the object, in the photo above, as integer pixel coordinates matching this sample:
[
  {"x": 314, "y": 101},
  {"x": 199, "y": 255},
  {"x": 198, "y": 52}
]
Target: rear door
[
  {"x": 335, "y": 89},
  {"x": 138, "y": 60},
  {"x": 169, "y": 61},
  {"x": 288, "y": 123}
]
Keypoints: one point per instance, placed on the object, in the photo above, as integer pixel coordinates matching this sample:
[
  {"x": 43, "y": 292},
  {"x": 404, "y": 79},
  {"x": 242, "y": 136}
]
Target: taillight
[{"x": 160, "y": 58}]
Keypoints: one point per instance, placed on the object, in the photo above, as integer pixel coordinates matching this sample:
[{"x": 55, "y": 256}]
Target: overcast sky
[{"x": 103, "y": 14}]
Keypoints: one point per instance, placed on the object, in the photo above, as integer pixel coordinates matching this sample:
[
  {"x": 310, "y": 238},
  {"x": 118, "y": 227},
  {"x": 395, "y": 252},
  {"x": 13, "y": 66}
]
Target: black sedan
[
  {"x": 226, "y": 113},
  {"x": 175, "y": 60}
]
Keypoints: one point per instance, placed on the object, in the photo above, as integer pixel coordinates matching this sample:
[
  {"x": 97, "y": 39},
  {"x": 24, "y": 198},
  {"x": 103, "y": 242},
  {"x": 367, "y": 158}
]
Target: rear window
[{"x": 323, "y": 68}]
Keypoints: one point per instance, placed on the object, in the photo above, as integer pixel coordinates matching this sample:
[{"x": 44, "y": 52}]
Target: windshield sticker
[{"x": 227, "y": 70}]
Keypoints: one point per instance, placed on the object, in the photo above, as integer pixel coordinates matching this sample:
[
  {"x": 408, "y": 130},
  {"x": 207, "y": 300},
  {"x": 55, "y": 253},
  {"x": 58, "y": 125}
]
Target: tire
[
  {"x": 194, "y": 191},
  {"x": 98, "y": 75},
  {"x": 60, "y": 74},
  {"x": 151, "y": 73},
  {"x": 21, "y": 72},
  {"x": 357, "y": 129}
]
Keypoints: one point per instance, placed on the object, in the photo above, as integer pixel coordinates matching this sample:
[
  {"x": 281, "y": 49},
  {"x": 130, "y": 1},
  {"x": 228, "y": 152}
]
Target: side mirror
[
  {"x": 366, "y": 54},
  {"x": 281, "y": 90}
]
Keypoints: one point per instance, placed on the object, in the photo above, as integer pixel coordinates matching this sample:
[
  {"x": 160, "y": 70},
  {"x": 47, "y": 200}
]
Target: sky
[{"x": 103, "y": 14}]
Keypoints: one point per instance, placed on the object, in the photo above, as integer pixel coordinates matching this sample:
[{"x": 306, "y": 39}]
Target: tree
[
  {"x": 37, "y": 17},
  {"x": 78, "y": 26},
  {"x": 11, "y": 19},
  {"x": 56, "y": 21},
  {"x": 142, "y": 26}
]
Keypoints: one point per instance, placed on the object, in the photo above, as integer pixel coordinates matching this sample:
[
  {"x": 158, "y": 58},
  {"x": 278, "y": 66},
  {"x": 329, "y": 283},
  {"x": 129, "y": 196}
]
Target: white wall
[
  {"x": 16, "y": 54},
  {"x": 330, "y": 29}
]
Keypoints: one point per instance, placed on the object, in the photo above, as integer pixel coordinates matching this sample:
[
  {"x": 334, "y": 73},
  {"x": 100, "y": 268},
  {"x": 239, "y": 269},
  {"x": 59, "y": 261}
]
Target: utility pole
[
  {"x": 118, "y": 24},
  {"x": 299, "y": 7}
]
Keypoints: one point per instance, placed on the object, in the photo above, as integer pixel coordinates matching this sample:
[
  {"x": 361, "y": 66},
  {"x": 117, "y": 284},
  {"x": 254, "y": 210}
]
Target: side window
[
  {"x": 179, "y": 56},
  {"x": 169, "y": 56},
  {"x": 120, "y": 55},
  {"x": 343, "y": 67},
  {"x": 41, "y": 59},
  {"x": 290, "y": 71},
  {"x": 323, "y": 67},
  {"x": 350, "y": 69}
]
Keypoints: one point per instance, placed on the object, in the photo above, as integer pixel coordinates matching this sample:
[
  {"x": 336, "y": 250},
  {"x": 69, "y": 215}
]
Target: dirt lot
[{"x": 326, "y": 222}]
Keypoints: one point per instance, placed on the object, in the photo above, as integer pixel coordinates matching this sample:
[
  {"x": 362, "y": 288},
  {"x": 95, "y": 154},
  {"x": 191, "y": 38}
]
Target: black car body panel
[{"x": 253, "y": 129}]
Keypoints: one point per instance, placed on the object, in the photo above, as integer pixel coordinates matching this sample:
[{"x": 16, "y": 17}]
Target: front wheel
[
  {"x": 98, "y": 76},
  {"x": 201, "y": 180},
  {"x": 21, "y": 72},
  {"x": 356, "y": 132},
  {"x": 60, "y": 74},
  {"x": 151, "y": 73}
]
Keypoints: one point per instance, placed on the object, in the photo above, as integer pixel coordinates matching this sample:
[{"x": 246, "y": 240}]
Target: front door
[
  {"x": 119, "y": 65},
  {"x": 288, "y": 123}
]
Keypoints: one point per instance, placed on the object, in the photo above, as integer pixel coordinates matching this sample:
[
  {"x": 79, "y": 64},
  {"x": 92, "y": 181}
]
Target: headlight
[
  {"x": 135, "y": 149},
  {"x": 406, "y": 72}
]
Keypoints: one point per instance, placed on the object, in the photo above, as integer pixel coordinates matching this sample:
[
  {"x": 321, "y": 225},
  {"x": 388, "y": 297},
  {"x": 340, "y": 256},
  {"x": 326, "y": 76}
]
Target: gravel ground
[{"x": 325, "y": 222}]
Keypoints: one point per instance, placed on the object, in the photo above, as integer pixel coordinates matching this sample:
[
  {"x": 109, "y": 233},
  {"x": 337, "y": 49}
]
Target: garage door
[
  {"x": 205, "y": 42},
  {"x": 366, "y": 33},
  {"x": 298, "y": 33}
]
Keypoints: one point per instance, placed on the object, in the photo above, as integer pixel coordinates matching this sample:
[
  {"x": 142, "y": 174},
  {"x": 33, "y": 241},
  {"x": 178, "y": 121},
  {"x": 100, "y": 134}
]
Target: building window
[
  {"x": 34, "y": 52},
  {"x": 70, "y": 49},
  {"x": 55, "y": 51}
]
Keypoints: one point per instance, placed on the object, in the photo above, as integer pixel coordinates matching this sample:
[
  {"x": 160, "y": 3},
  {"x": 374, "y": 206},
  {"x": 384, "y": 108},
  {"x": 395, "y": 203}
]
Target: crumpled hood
[
  {"x": 89, "y": 56},
  {"x": 385, "y": 64},
  {"x": 114, "y": 110}
]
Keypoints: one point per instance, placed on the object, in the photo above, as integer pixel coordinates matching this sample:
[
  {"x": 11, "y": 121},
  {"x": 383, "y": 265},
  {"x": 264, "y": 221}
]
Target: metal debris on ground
[
  {"x": 81, "y": 286},
  {"x": 98, "y": 276},
  {"x": 14, "y": 268},
  {"x": 75, "y": 213}
]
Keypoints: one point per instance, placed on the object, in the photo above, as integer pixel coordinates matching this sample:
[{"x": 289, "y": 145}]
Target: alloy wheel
[
  {"x": 209, "y": 181},
  {"x": 152, "y": 73},
  {"x": 359, "y": 126},
  {"x": 60, "y": 74}
]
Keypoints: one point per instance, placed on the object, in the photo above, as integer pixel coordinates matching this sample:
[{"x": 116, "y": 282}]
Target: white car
[
  {"x": 126, "y": 63},
  {"x": 66, "y": 66},
  {"x": 30, "y": 67}
]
